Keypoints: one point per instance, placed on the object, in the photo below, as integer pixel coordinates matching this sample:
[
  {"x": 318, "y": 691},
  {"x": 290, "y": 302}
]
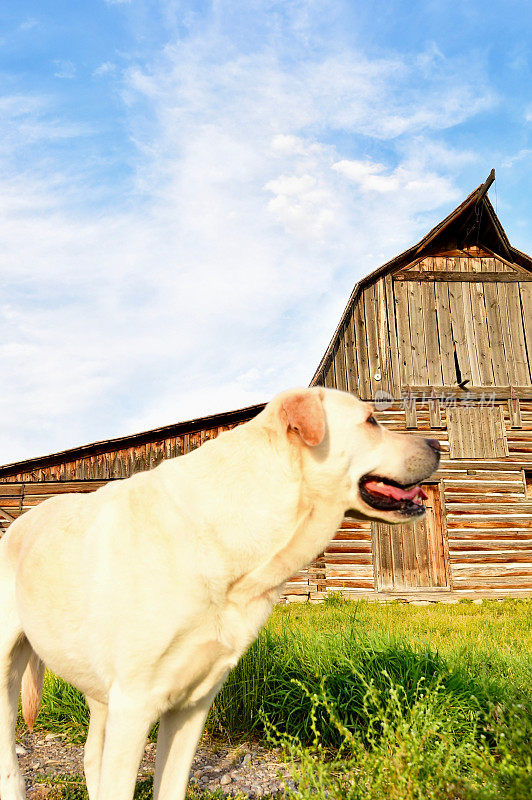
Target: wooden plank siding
[
  {"x": 476, "y": 432},
  {"x": 394, "y": 375},
  {"x": 350, "y": 347},
  {"x": 371, "y": 324},
  {"x": 412, "y": 557},
  {"x": 365, "y": 358},
  {"x": 361, "y": 353},
  {"x": 402, "y": 322},
  {"x": 413, "y": 328}
]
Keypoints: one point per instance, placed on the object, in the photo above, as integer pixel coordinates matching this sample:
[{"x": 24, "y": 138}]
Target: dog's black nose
[{"x": 434, "y": 445}]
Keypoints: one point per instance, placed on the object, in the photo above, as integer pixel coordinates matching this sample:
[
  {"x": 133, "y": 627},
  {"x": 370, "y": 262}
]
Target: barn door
[{"x": 412, "y": 557}]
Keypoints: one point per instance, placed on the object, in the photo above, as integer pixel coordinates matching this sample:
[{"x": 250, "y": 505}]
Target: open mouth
[{"x": 386, "y": 495}]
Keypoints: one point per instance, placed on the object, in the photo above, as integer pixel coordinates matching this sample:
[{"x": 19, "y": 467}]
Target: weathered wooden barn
[{"x": 440, "y": 338}]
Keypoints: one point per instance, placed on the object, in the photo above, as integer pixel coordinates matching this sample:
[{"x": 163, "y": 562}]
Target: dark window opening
[{"x": 457, "y": 367}]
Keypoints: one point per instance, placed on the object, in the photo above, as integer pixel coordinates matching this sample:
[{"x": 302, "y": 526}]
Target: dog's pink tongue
[{"x": 377, "y": 487}]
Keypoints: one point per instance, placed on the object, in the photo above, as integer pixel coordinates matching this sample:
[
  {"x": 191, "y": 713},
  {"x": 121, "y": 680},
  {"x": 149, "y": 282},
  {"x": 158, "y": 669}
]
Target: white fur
[{"x": 145, "y": 593}]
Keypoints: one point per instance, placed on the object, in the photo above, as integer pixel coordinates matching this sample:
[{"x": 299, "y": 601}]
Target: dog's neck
[
  {"x": 293, "y": 529},
  {"x": 314, "y": 528}
]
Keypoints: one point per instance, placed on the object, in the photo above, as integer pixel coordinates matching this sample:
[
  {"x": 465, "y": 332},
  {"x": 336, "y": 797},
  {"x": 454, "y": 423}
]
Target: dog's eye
[{"x": 372, "y": 421}]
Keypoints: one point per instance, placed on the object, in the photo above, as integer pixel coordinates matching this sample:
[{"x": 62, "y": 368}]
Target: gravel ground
[{"x": 247, "y": 770}]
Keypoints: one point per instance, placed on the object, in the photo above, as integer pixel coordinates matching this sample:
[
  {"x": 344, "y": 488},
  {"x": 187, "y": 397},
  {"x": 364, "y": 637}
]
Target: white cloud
[
  {"x": 368, "y": 175},
  {"x": 29, "y": 24},
  {"x": 521, "y": 155},
  {"x": 64, "y": 69},
  {"x": 421, "y": 185},
  {"x": 106, "y": 68},
  {"x": 220, "y": 278}
]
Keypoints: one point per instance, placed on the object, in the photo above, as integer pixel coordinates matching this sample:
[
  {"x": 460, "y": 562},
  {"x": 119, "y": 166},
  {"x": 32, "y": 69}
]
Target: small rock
[
  {"x": 20, "y": 751},
  {"x": 225, "y": 779},
  {"x": 51, "y": 736},
  {"x": 246, "y": 759}
]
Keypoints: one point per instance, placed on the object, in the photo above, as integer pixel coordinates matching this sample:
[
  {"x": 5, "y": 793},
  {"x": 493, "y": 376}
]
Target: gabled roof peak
[{"x": 473, "y": 223}]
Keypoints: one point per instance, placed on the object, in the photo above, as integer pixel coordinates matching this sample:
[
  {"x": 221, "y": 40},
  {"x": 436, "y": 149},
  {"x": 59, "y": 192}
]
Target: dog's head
[{"x": 375, "y": 472}]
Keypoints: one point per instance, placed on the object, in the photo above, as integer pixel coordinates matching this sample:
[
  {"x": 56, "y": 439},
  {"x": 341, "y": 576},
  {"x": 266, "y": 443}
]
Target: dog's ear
[{"x": 304, "y": 413}]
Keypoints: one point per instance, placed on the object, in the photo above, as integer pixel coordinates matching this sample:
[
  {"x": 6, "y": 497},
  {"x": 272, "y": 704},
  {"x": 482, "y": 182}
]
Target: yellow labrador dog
[{"x": 145, "y": 593}]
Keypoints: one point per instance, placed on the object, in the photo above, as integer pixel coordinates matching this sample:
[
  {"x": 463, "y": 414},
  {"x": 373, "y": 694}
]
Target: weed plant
[{"x": 411, "y": 753}]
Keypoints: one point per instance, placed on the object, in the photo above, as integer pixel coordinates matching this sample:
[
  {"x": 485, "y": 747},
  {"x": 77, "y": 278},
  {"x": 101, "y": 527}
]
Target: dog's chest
[{"x": 190, "y": 671}]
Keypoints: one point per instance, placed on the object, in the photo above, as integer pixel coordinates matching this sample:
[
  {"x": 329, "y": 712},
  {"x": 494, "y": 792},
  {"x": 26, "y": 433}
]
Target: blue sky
[{"x": 189, "y": 191}]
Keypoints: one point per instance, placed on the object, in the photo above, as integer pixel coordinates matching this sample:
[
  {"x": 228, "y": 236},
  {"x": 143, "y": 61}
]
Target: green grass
[
  {"x": 63, "y": 710},
  {"x": 379, "y": 700}
]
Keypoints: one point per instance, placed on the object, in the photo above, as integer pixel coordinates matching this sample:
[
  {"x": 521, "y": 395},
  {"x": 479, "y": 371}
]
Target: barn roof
[
  {"x": 473, "y": 222},
  {"x": 226, "y": 418}
]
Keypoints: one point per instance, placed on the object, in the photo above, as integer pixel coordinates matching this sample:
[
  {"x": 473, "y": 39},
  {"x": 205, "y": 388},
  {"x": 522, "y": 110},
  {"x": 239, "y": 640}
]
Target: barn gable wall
[{"x": 441, "y": 321}]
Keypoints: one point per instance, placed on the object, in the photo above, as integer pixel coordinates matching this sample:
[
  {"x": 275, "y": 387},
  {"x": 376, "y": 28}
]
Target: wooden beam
[
  {"x": 435, "y": 413},
  {"x": 472, "y": 394},
  {"x": 463, "y": 277},
  {"x": 486, "y": 185},
  {"x": 511, "y": 264}
]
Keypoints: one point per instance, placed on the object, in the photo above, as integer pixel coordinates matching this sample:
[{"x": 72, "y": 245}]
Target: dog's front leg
[
  {"x": 126, "y": 729},
  {"x": 92, "y": 758},
  {"x": 179, "y": 733}
]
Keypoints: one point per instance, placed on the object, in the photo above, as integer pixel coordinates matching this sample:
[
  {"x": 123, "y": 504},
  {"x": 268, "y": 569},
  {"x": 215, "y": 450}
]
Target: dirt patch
[{"x": 247, "y": 769}]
